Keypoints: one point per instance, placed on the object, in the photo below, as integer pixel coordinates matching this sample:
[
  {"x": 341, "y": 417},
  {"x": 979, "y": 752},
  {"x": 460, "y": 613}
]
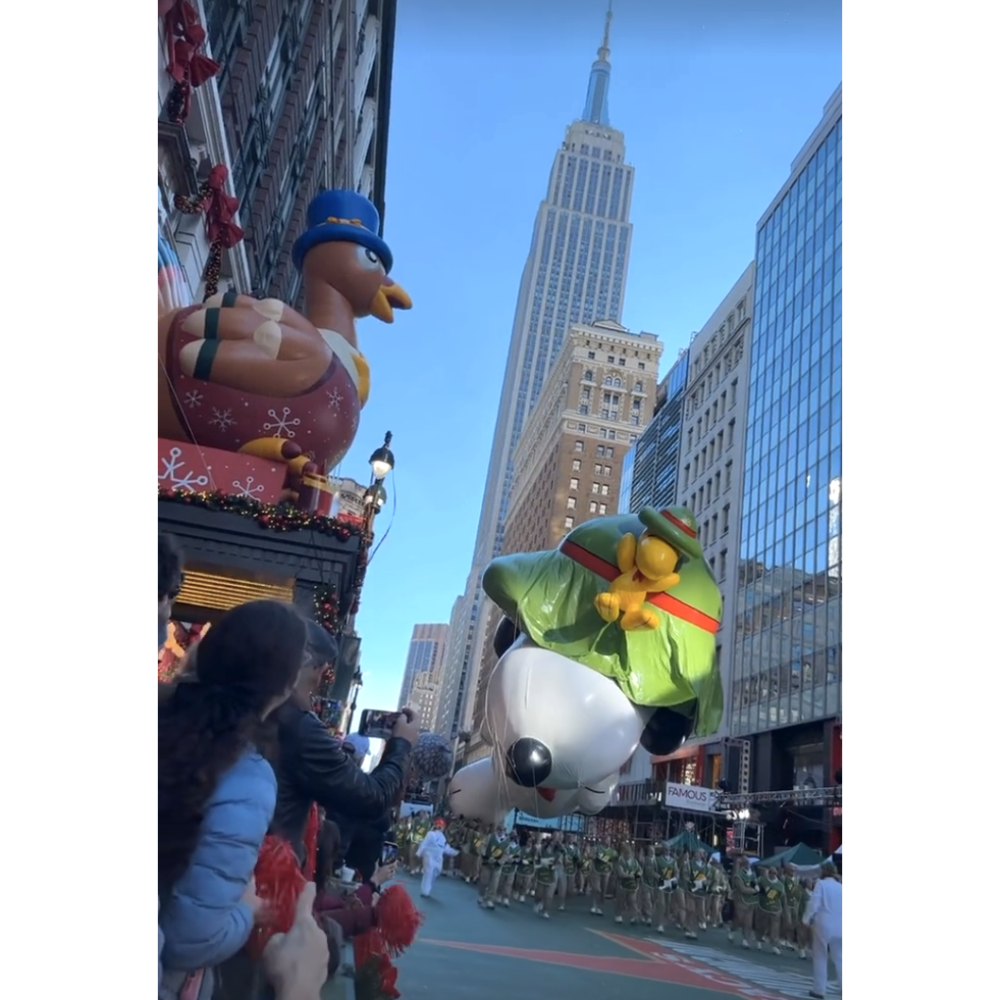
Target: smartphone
[
  {"x": 390, "y": 853},
  {"x": 377, "y": 725}
]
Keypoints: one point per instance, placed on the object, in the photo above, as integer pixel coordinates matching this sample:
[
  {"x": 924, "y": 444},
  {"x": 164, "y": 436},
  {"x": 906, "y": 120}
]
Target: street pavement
[{"x": 465, "y": 953}]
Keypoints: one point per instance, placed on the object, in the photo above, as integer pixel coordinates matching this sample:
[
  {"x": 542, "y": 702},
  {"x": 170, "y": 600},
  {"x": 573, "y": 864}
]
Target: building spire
[
  {"x": 596, "y": 108},
  {"x": 605, "y": 50}
]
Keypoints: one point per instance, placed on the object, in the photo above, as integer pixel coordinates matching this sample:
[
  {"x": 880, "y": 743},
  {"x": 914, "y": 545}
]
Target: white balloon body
[
  {"x": 529, "y": 801},
  {"x": 477, "y": 793},
  {"x": 589, "y": 726},
  {"x": 593, "y": 798}
]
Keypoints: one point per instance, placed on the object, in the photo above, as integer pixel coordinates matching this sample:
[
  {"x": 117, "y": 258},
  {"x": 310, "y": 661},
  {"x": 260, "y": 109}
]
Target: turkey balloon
[
  {"x": 256, "y": 377},
  {"x": 609, "y": 644}
]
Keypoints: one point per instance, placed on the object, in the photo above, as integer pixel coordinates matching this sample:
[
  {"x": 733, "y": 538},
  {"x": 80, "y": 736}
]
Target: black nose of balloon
[{"x": 529, "y": 762}]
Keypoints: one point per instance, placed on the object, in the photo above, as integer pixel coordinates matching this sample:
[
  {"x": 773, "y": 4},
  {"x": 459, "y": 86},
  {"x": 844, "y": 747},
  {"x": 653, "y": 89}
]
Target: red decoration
[
  {"x": 279, "y": 881},
  {"x": 185, "y": 63}
]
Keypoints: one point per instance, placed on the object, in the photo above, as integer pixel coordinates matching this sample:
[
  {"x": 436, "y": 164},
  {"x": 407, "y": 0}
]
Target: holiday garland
[
  {"x": 187, "y": 66},
  {"x": 219, "y": 209}
]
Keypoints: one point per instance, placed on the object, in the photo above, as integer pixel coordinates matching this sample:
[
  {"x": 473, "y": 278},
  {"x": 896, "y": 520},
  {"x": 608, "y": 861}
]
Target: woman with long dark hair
[{"x": 216, "y": 790}]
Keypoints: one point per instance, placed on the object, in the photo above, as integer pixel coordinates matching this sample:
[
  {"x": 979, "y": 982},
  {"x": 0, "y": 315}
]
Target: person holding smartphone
[{"x": 311, "y": 765}]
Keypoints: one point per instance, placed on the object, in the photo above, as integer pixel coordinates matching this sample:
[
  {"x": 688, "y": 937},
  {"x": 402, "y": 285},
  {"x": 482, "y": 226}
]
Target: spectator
[
  {"x": 216, "y": 791},
  {"x": 824, "y": 914},
  {"x": 171, "y": 579},
  {"x": 311, "y": 764}
]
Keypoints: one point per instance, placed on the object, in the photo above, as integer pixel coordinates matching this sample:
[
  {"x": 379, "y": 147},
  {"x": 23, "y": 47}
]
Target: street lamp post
[{"x": 382, "y": 462}]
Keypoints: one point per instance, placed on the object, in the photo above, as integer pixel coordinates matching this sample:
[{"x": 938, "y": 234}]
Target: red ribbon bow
[
  {"x": 220, "y": 210},
  {"x": 185, "y": 64}
]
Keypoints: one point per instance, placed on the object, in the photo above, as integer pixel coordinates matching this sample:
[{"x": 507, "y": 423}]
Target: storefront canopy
[{"x": 799, "y": 855}]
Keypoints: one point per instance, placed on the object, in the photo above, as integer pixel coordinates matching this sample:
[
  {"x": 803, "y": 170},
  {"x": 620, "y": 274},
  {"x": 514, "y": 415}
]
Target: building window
[
  {"x": 731, "y": 433},
  {"x": 611, "y": 359},
  {"x": 568, "y": 522},
  {"x": 604, "y": 489},
  {"x": 722, "y": 564},
  {"x": 635, "y": 419},
  {"x": 725, "y": 520},
  {"x": 581, "y": 427},
  {"x": 597, "y": 469},
  {"x": 591, "y": 356},
  {"x": 607, "y": 470},
  {"x": 621, "y": 362},
  {"x": 576, "y": 465},
  {"x": 593, "y": 506},
  {"x": 577, "y": 446},
  {"x": 595, "y": 487},
  {"x": 588, "y": 376},
  {"x": 574, "y": 483},
  {"x": 642, "y": 366},
  {"x": 571, "y": 503},
  {"x": 583, "y": 409},
  {"x": 609, "y": 452},
  {"x": 603, "y": 509},
  {"x": 600, "y": 451}
]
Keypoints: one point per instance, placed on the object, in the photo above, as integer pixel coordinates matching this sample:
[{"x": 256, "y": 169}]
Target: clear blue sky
[{"x": 715, "y": 99}]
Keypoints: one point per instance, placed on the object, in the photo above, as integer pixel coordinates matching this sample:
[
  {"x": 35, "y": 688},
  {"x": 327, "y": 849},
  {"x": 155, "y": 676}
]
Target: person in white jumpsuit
[
  {"x": 824, "y": 914},
  {"x": 431, "y": 851}
]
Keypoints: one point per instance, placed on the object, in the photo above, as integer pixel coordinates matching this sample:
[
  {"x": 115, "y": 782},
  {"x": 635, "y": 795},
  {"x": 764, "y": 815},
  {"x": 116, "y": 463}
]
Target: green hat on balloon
[{"x": 676, "y": 526}]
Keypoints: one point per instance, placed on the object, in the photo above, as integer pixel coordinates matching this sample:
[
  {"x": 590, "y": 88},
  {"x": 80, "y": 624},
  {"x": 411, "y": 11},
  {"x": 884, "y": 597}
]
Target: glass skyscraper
[
  {"x": 575, "y": 273},
  {"x": 787, "y": 666},
  {"x": 652, "y": 465}
]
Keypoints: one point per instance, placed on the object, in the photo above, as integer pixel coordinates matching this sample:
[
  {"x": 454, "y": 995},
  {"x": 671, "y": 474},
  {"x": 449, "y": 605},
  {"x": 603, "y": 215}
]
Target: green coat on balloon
[{"x": 550, "y": 596}]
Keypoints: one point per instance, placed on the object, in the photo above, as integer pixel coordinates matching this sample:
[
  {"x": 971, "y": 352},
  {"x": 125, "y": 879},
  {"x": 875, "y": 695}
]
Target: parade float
[
  {"x": 258, "y": 403},
  {"x": 608, "y": 643}
]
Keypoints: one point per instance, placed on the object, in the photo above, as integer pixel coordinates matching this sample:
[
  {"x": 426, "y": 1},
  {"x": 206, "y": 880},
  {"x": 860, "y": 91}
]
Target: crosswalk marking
[{"x": 792, "y": 984}]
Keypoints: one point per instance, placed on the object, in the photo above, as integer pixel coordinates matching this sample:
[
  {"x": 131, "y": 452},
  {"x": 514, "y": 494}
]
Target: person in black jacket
[{"x": 311, "y": 765}]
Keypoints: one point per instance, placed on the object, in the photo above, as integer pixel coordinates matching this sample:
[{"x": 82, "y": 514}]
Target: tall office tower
[
  {"x": 710, "y": 470},
  {"x": 422, "y": 677},
  {"x": 787, "y": 669},
  {"x": 650, "y": 473},
  {"x": 575, "y": 273}
]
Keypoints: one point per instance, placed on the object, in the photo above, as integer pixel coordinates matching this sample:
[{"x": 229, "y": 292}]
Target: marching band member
[
  {"x": 790, "y": 916},
  {"x": 746, "y": 900},
  {"x": 508, "y": 869},
  {"x": 650, "y": 895},
  {"x": 525, "y": 869},
  {"x": 628, "y": 871},
  {"x": 586, "y": 866},
  {"x": 571, "y": 866},
  {"x": 489, "y": 873},
  {"x": 600, "y": 872},
  {"x": 545, "y": 861},
  {"x": 718, "y": 889},
  {"x": 772, "y": 906}
]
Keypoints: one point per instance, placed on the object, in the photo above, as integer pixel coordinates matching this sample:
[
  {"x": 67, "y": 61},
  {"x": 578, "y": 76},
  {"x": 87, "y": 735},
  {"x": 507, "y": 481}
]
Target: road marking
[{"x": 657, "y": 964}]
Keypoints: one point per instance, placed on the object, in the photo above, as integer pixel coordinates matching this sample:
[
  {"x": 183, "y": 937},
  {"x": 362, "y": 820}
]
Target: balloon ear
[
  {"x": 505, "y": 636},
  {"x": 667, "y": 730}
]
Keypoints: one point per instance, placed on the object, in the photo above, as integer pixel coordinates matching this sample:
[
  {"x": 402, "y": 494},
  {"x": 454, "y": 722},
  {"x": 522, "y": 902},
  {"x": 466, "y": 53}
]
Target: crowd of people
[
  {"x": 653, "y": 885},
  {"x": 244, "y": 759}
]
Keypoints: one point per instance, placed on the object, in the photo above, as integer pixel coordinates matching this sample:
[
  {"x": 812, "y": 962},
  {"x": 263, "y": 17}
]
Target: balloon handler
[{"x": 608, "y": 642}]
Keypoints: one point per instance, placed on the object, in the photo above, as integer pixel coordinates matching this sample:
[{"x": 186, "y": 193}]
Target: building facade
[
  {"x": 422, "y": 677},
  {"x": 568, "y": 462},
  {"x": 301, "y": 103},
  {"x": 653, "y": 464},
  {"x": 575, "y": 273},
  {"x": 712, "y": 452},
  {"x": 787, "y": 665}
]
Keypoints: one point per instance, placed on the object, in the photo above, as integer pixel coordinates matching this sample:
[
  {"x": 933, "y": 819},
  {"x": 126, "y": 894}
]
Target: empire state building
[{"x": 575, "y": 272}]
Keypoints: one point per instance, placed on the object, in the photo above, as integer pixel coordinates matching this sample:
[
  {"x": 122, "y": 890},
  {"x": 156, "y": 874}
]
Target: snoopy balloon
[{"x": 608, "y": 644}]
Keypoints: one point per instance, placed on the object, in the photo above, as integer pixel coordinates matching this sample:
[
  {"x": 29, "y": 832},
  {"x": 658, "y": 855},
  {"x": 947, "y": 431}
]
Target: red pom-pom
[{"x": 279, "y": 881}]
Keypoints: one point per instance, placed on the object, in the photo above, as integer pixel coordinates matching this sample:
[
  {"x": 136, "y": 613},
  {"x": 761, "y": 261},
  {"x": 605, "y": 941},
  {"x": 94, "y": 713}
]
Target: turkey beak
[{"x": 388, "y": 297}]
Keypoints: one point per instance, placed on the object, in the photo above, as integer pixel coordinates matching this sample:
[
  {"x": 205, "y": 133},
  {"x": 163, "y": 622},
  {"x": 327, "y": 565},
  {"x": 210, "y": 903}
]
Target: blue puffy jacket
[{"x": 204, "y": 921}]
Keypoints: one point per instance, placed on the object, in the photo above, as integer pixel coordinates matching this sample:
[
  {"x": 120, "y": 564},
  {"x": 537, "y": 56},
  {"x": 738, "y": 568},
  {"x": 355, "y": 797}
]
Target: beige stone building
[{"x": 597, "y": 399}]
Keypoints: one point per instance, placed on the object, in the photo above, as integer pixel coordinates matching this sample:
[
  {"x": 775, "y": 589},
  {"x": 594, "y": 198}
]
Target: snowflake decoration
[
  {"x": 174, "y": 477},
  {"x": 193, "y": 399},
  {"x": 223, "y": 419},
  {"x": 282, "y": 425},
  {"x": 248, "y": 489},
  {"x": 335, "y": 400}
]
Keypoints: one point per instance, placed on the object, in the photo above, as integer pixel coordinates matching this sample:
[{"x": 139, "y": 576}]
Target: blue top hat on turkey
[{"x": 342, "y": 216}]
